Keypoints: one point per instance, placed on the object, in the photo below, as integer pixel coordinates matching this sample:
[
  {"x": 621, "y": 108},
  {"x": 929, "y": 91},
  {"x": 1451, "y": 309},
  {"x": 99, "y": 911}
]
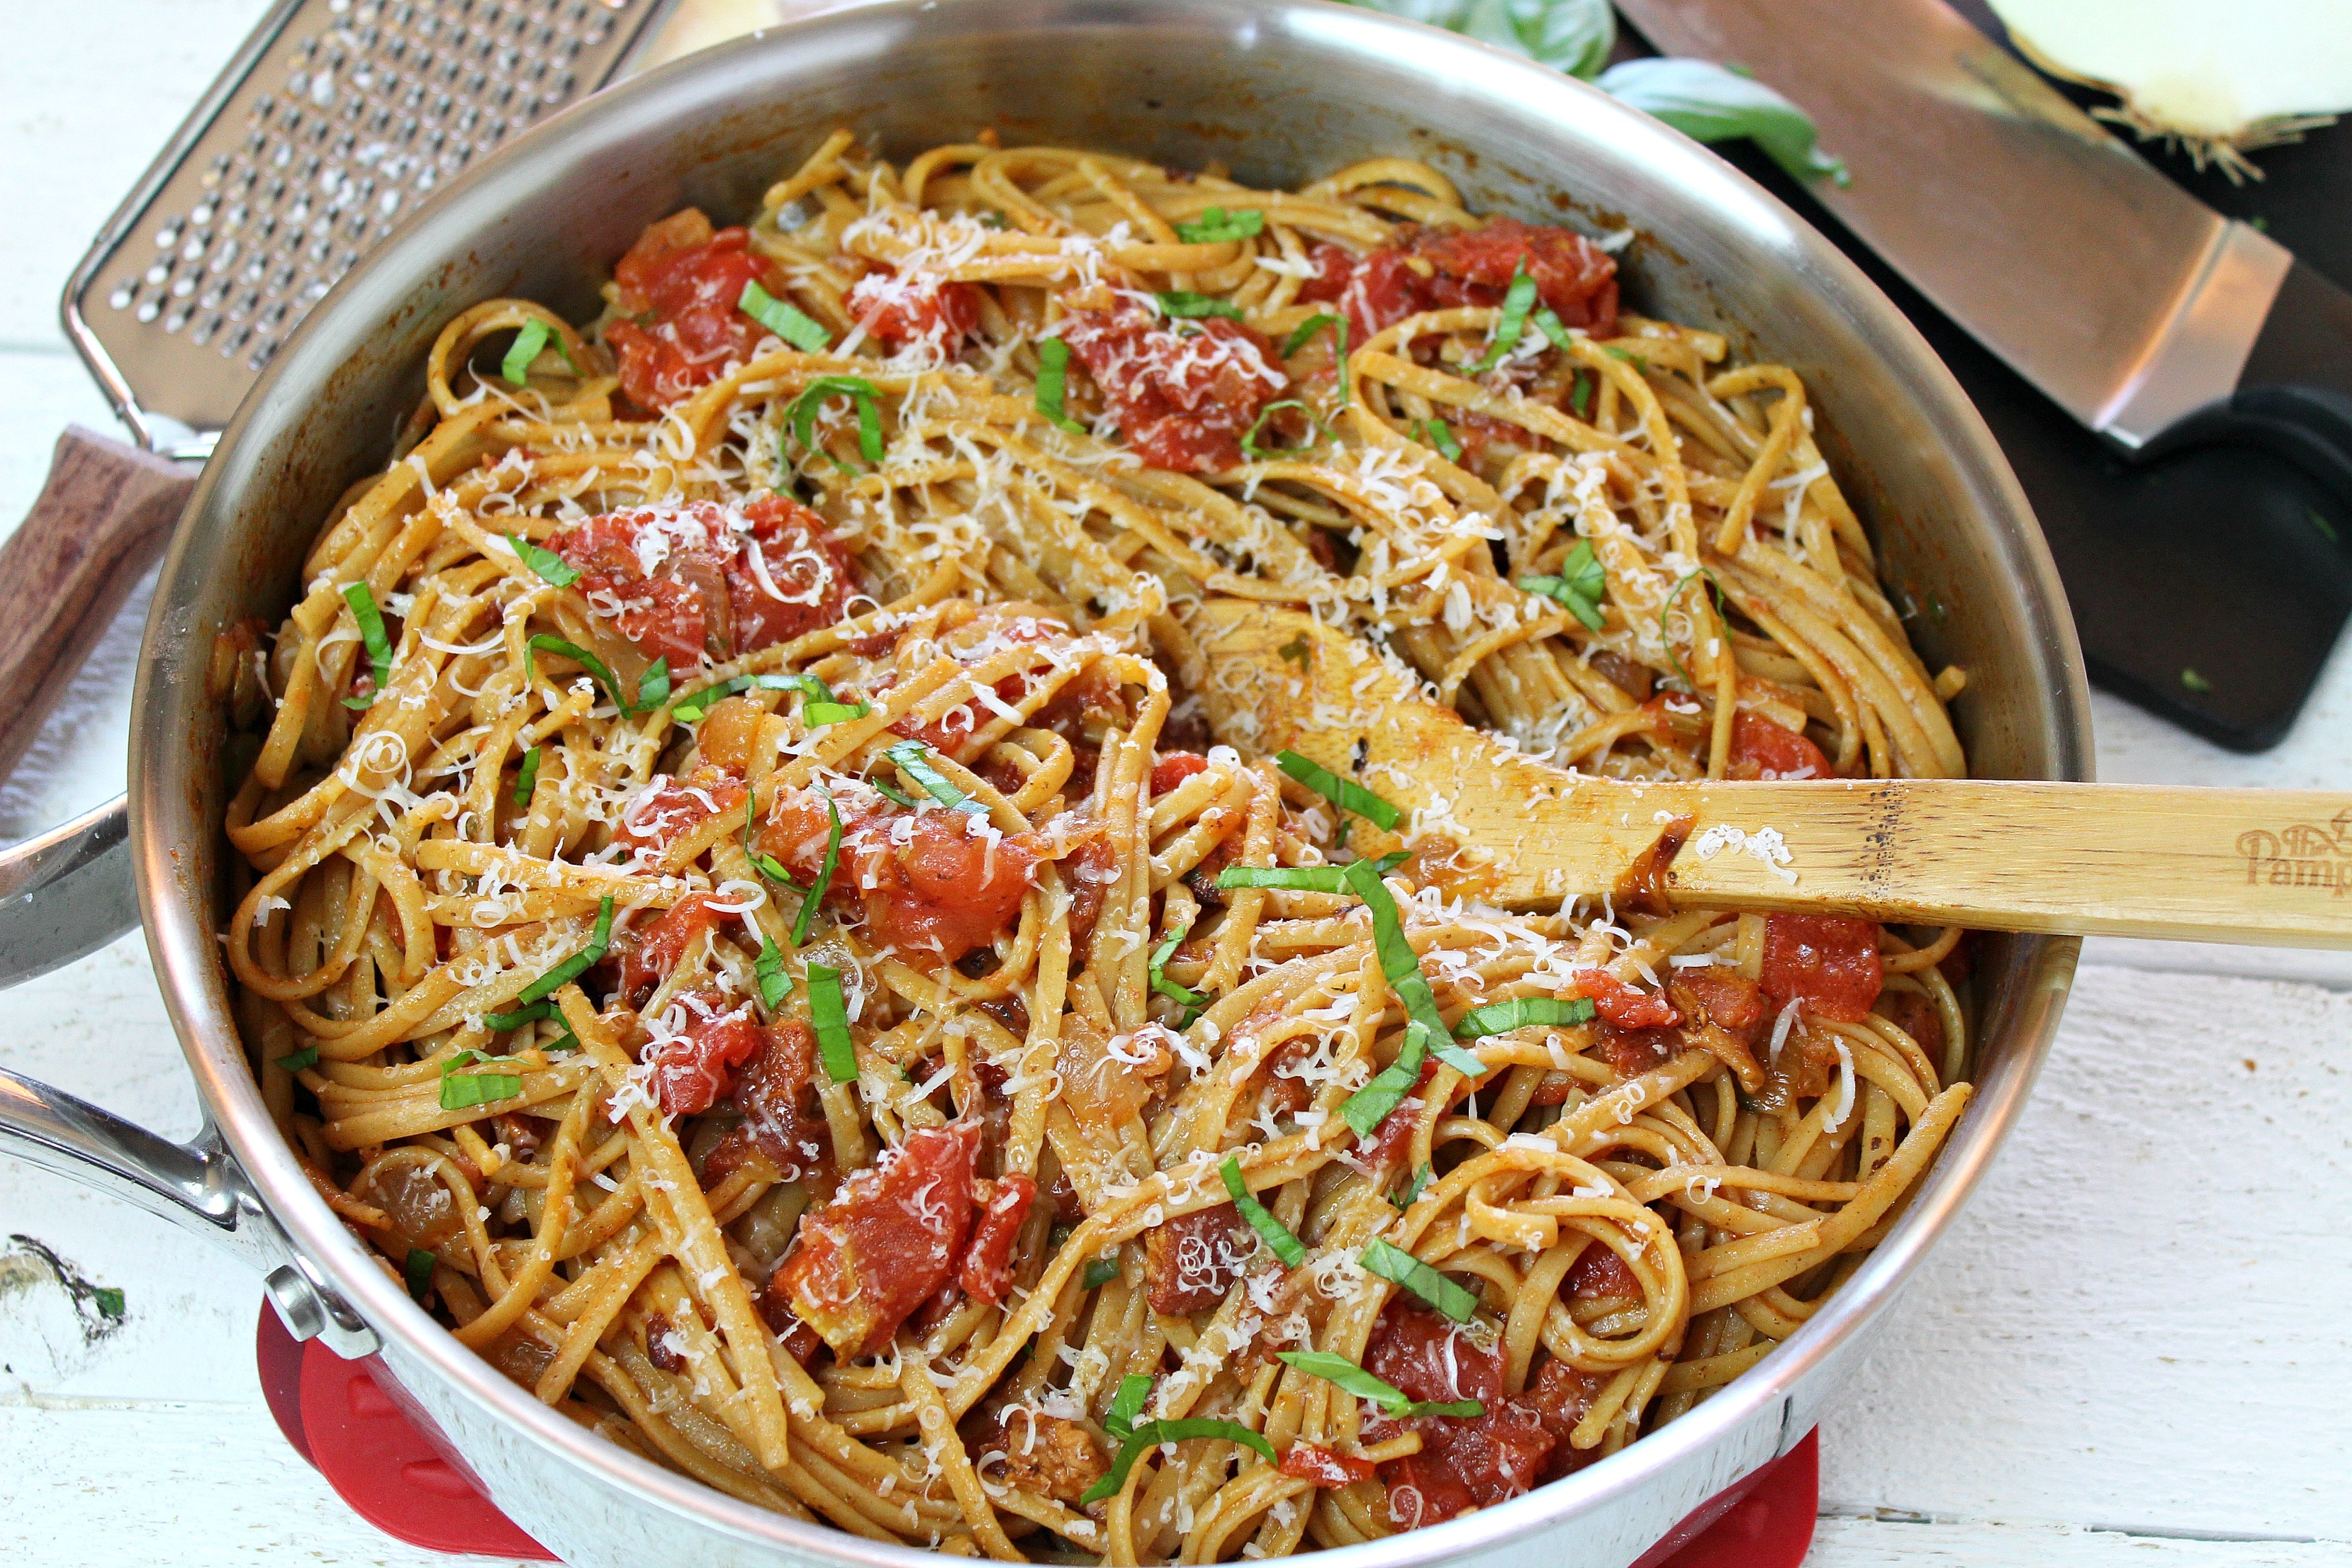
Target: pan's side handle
[
  {"x": 101, "y": 521},
  {"x": 198, "y": 1186}
]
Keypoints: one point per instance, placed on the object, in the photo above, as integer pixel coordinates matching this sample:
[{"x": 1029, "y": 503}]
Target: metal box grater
[{"x": 334, "y": 121}]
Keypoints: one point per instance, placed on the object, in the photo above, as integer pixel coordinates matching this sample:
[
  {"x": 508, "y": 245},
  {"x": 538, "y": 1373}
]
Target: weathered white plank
[
  {"x": 1878, "y": 1544},
  {"x": 2138, "y": 1322},
  {"x": 207, "y": 1486}
]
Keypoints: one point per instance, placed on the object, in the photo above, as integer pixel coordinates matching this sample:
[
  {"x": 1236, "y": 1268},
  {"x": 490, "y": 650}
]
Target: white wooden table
[{"x": 2133, "y": 1348}]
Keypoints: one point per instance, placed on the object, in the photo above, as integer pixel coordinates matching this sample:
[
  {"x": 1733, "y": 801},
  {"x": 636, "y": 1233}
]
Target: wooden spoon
[{"x": 2272, "y": 867}]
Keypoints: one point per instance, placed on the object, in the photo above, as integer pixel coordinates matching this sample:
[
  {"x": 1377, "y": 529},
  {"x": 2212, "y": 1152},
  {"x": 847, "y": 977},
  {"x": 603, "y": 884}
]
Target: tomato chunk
[
  {"x": 683, "y": 282},
  {"x": 1573, "y": 276},
  {"x": 885, "y": 1242},
  {"x": 671, "y": 807},
  {"x": 680, "y": 581},
  {"x": 1003, "y": 1205},
  {"x": 906, "y": 308},
  {"x": 1627, "y": 1006},
  {"x": 1599, "y": 1275},
  {"x": 647, "y": 960},
  {"x": 1763, "y": 750},
  {"x": 1829, "y": 963},
  {"x": 1325, "y": 1467},
  {"x": 1184, "y": 392},
  {"x": 696, "y": 1044},
  {"x": 1465, "y": 1462},
  {"x": 926, "y": 880},
  {"x": 1191, "y": 1261},
  {"x": 1374, "y": 290},
  {"x": 1173, "y": 768}
]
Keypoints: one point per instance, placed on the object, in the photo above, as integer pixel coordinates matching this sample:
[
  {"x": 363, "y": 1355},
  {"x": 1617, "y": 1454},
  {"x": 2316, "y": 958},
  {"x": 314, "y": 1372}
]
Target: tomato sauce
[
  {"x": 1829, "y": 963},
  {"x": 683, "y": 581},
  {"x": 1184, "y": 393},
  {"x": 1763, "y": 750},
  {"x": 926, "y": 881},
  {"x": 1324, "y": 1466},
  {"x": 683, "y": 282},
  {"x": 647, "y": 958},
  {"x": 885, "y": 1242},
  {"x": 1173, "y": 768},
  {"x": 673, "y": 807},
  {"x": 1190, "y": 1262},
  {"x": 1627, "y": 1006}
]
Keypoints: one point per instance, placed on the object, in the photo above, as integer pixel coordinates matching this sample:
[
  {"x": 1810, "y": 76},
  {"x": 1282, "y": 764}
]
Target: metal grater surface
[{"x": 335, "y": 120}]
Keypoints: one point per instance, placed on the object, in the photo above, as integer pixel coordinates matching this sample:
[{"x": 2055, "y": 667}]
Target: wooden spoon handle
[
  {"x": 2273, "y": 867},
  {"x": 101, "y": 522}
]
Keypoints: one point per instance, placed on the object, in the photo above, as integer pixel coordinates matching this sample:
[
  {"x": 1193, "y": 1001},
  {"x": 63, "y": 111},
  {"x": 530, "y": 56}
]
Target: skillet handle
[
  {"x": 101, "y": 521},
  {"x": 198, "y": 1186}
]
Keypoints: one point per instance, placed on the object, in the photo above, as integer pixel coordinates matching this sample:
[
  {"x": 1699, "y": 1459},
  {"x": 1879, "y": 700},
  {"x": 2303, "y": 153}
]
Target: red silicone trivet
[{"x": 393, "y": 1477}]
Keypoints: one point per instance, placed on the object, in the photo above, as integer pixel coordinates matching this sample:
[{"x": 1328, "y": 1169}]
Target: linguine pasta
[{"x": 743, "y": 908}]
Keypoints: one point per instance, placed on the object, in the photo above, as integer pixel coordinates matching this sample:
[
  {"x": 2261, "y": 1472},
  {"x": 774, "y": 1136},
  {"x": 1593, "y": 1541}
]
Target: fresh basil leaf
[
  {"x": 1250, "y": 447},
  {"x": 417, "y": 1273},
  {"x": 1128, "y": 1403},
  {"x": 308, "y": 1057},
  {"x": 527, "y": 777},
  {"x": 1149, "y": 1435},
  {"x": 1518, "y": 300},
  {"x": 1339, "y": 1370},
  {"x": 914, "y": 760},
  {"x": 802, "y": 415},
  {"x": 1183, "y": 304},
  {"x": 579, "y": 964},
  {"x": 1101, "y": 1271},
  {"x": 823, "y": 876},
  {"x": 817, "y": 715},
  {"x": 527, "y": 344},
  {"x": 1709, "y": 103},
  {"x": 1298, "y": 878},
  {"x": 1371, "y": 1105},
  {"x": 598, "y": 671},
  {"x": 769, "y": 968},
  {"x": 1441, "y": 436},
  {"x": 1571, "y": 35},
  {"x": 1413, "y": 1189}
]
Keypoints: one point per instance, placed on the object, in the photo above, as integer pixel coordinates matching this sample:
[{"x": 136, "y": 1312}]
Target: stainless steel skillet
[{"x": 1283, "y": 92}]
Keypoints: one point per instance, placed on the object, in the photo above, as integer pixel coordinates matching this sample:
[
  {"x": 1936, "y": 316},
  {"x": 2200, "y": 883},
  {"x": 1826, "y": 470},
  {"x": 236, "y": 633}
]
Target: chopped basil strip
[
  {"x": 1183, "y": 304},
  {"x": 892, "y": 792},
  {"x": 308, "y": 1057},
  {"x": 1636, "y": 360},
  {"x": 461, "y": 1089},
  {"x": 1404, "y": 969},
  {"x": 823, "y": 876},
  {"x": 1295, "y": 651},
  {"x": 1517, "y": 302},
  {"x": 1371, "y": 1105},
  {"x": 1128, "y": 1403},
  {"x": 830, "y": 1017},
  {"x": 527, "y": 779},
  {"x": 1401, "y": 1267},
  {"x": 500, "y": 1023},
  {"x": 1339, "y": 1369},
  {"x": 371, "y": 633},
  {"x": 533, "y": 337},
  {"x": 1579, "y": 585},
  {"x": 1524, "y": 1012},
  {"x": 1313, "y": 324},
  {"x": 690, "y": 707},
  {"x": 1149, "y": 1435},
  {"x": 774, "y": 983},
  {"x": 817, "y": 715},
  {"x": 1217, "y": 226},
  {"x": 1255, "y": 454},
  {"x": 544, "y": 561},
  {"x": 1549, "y": 323},
  {"x": 802, "y": 415},
  {"x": 653, "y": 685},
  {"x": 1413, "y": 1189},
  {"x": 1166, "y": 987},
  {"x": 418, "y": 1273},
  {"x": 1344, "y": 794},
  {"x": 580, "y": 962},
  {"x": 1270, "y": 1230},
  {"x": 1441, "y": 436},
  {"x": 762, "y": 862},
  {"x": 1580, "y": 395},
  {"x": 1673, "y": 594},
  {"x": 1053, "y": 383},
  {"x": 1298, "y": 878},
  {"x": 109, "y": 1301},
  {"x": 914, "y": 760},
  {"x": 598, "y": 671},
  {"x": 1101, "y": 1271},
  {"x": 784, "y": 319}
]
